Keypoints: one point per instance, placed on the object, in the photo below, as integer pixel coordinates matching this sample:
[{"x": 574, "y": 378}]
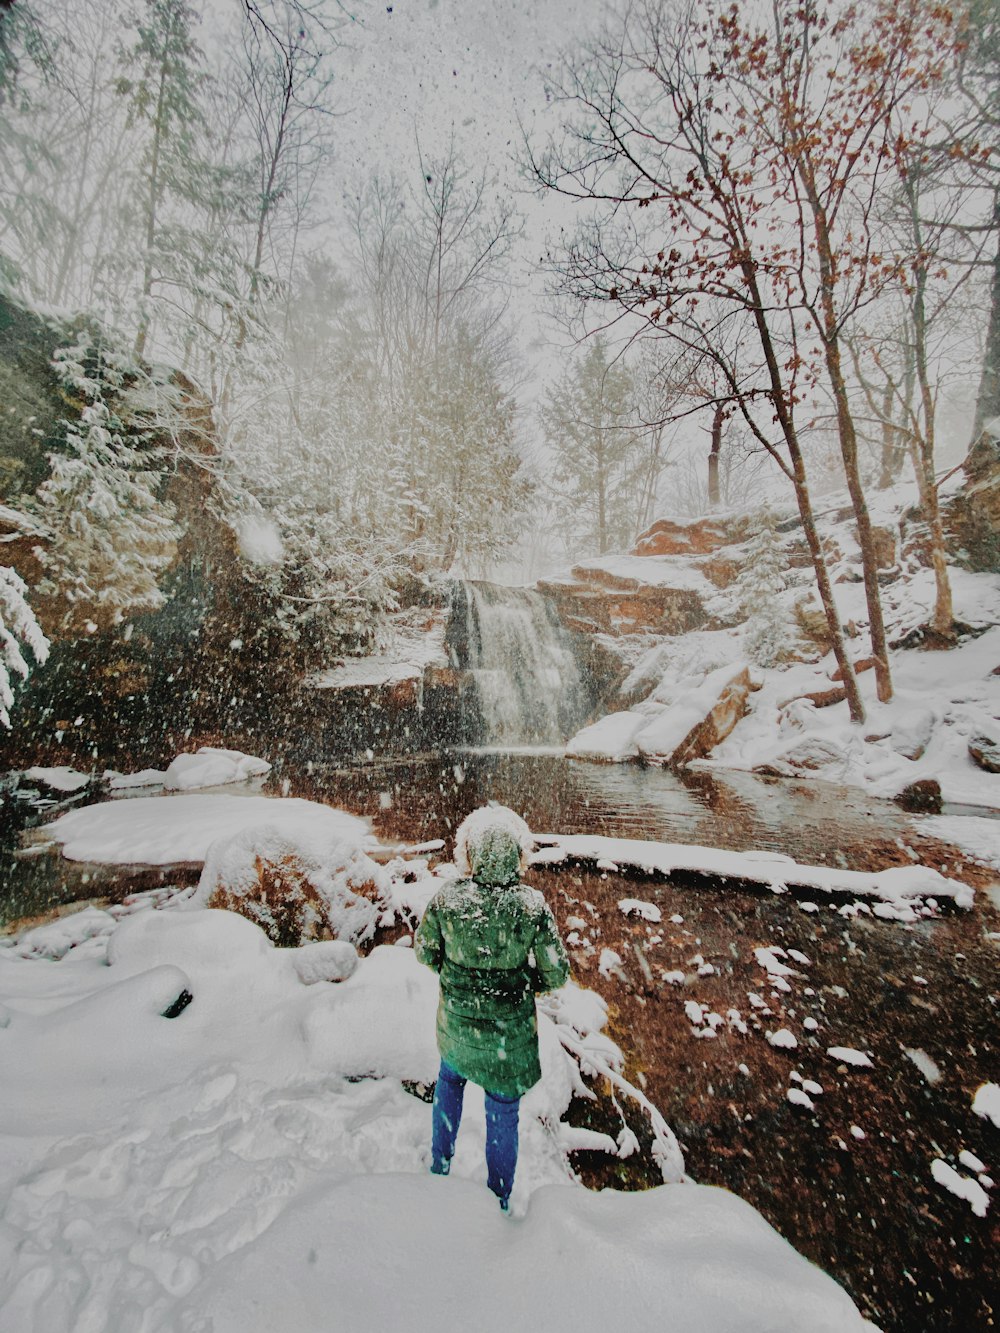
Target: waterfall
[{"x": 529, "y": 687}]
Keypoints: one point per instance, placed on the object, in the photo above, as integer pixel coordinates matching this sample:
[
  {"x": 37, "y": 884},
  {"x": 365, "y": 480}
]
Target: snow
[
  {"x": 259, "y": 540},
  {"x": 780, "y": 727},
  {"x": 168, "y": 830},
  {"x": 61, "y": 778},
  {"x": 798, "y": 1098},
  {"x": 986, "y": 1102},
  {"x": 146, "y": 777},
  {"x": 637, "y": 907},
  {"x": 961, "y": 1186},
  {"x": 976, "y": 835},
  {"x": 610, "y": 739},
  {"x": 924, "y": 1063},
  {"x": 849, "y": 1056},
  {"x": 656, "y": 571},
  {"x": 901, "y": 888},
  {"x": 255, "y": 1162},
  {"x": 418, "y": 643},
  {"x": 783, "y": 1038},
  {"x": 210, "y": 767},
  {"x": 971, "y": 1161}
]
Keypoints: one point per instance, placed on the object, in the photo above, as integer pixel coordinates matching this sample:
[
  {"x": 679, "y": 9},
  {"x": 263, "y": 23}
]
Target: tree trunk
[
  {"x": 988, "y": 398},
  {"x": 923, "y": 465},
  {"x": 849, "y": 447},
  {"x": 714, "y": 499},
  {"x": 803, "y": 498}
]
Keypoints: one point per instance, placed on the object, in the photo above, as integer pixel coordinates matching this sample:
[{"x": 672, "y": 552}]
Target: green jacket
[{"x": 494, "y": 948}]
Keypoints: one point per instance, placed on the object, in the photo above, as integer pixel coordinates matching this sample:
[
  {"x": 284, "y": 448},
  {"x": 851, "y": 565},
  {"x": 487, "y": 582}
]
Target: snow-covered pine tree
[
  {"x": 112, "y": 536},
  {"x": 18, "y": 629},
  {"x": 758, "y": 591}
]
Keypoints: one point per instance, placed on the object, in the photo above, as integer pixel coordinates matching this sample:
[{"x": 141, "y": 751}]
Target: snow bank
[
  {"x": 255, "y": 1162},
  {"x": 693, "y": 1258},
  {"x": 209, "y": 767},
  {"x": 979, "y": 837},
  {"x": 171, "y": 829},
  {"x": 901, "y": 888},
  {"x": 609, "y": 740}
]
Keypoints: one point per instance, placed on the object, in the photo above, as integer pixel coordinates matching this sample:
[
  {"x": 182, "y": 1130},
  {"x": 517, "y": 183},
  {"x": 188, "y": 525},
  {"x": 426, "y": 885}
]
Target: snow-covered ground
[{"x": 256, "y": 1162}]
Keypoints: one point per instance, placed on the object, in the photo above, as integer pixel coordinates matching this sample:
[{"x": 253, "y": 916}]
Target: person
[{"x": 495, "y": 946}]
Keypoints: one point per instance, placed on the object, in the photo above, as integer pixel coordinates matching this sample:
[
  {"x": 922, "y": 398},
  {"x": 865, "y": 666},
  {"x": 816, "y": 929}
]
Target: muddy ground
[{"x": 848, "y": 1183}]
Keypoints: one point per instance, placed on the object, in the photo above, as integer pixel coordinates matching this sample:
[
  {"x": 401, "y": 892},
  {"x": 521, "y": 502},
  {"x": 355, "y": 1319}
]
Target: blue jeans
[{"x": 501, "y": 1131}]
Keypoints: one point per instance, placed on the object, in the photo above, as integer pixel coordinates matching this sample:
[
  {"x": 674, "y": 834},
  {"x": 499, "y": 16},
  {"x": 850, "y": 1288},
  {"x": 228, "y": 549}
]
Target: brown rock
[
  {"x": 986, "y": 752},
  {"x": 884, "y": 544},
  {"x": 667, "y": 537},
  {"x": 921, "y": 797},
  {"x": 730, "y": 705}
]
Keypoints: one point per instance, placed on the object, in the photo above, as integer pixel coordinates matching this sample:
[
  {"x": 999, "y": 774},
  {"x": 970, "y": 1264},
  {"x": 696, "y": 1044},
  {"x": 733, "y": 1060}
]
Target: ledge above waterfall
[{"x": 418, "y": 643}]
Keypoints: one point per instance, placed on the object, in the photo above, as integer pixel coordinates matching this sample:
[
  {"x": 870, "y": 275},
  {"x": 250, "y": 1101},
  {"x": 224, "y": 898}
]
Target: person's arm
[
  {"x": 428, "y": 943},
  {"x": 551, "y": 963}
]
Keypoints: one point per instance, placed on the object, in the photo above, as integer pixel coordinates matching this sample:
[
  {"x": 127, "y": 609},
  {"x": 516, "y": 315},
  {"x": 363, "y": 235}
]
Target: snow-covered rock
[
  {"x": 611, "y": 739},
  {"x": 699, "y": 719},
  {"x": 169, "y": 830},
  {"x": 295, "y": 888},
  {"x": 210, "y": 767}
]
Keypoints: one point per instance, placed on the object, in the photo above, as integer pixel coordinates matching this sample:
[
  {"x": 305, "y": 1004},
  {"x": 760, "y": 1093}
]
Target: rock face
[
  {"x": 972, "y": 517},
  {"x": 667, "y": 537}
]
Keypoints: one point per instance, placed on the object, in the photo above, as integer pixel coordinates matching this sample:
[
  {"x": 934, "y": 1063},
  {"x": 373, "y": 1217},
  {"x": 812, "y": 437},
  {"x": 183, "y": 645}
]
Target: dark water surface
[{"x": 426, "y": 796}]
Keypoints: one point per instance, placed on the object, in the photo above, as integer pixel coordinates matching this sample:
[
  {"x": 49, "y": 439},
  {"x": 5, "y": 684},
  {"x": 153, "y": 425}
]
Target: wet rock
[
  {"x": 986, "y": 752},
  {"x": 921, "y": 797}
]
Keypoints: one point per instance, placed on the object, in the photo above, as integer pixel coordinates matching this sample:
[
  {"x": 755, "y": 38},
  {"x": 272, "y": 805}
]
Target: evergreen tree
[
  {"x": 598, "y": 454},
  {"x": 758, "y": 590},
  {"x": 18, "y": 629},
  {"x": 111, "y": 536}
]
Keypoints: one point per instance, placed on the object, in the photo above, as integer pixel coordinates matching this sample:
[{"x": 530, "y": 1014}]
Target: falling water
[{"x": 529, "y": 685}]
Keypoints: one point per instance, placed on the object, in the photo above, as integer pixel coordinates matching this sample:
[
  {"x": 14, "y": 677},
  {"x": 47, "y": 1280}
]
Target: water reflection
[{"x": 425, "y": 796}]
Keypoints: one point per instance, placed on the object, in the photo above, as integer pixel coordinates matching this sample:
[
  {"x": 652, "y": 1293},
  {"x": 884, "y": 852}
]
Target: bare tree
[{"x": 682, "y": 241}]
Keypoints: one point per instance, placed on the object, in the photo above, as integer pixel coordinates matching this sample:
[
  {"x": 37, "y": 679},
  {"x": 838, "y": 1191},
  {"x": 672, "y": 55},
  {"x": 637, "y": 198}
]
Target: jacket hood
[{"x": 492, "y": 845}]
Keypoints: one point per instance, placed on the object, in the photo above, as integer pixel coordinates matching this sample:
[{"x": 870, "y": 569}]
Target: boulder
[
  {"x": 921, "y": 797},
  {"x": 667, "y": 537},
  {"x": 295, "y": 892},
  {"x": 972, "y": 516},
  {"x": 986, "y": 753},
  {"x": 911, "y": 732},
  {"x": 693, "y": 725}
]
